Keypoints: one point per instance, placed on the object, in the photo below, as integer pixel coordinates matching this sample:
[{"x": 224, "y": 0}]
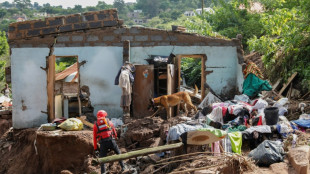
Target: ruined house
[{"x": 101, "y": 43}]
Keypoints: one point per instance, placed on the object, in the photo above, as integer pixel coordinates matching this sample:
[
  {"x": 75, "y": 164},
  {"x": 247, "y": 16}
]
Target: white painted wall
[
  {"x": 29, "y": 85},
  {"x": 222, "y": 61},
  {"x": 98, "y": 73}
]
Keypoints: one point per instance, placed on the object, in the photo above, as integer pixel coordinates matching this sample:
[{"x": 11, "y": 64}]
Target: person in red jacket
[{"x": 104, "y": 132}]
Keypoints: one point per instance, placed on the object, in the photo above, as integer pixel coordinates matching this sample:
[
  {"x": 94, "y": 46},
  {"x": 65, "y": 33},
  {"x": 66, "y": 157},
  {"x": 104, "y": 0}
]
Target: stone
[{"x": 299, "y": 159}]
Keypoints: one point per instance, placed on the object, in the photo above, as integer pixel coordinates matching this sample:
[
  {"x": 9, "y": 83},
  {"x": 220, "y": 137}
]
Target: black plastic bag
[{"x": 267, "y": 153}]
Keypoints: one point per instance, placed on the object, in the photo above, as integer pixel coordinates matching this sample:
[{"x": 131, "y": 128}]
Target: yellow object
[{"x": 72, "y": 124}]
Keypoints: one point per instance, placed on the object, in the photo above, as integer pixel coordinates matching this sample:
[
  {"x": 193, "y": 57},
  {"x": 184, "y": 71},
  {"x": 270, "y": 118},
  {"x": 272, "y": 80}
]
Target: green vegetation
[
  {"x": 191, "y": 67},
  {"x": 63, "y": 63},
  {"x": 4, "y": 57},
  {"x": 279, "y": 31}
]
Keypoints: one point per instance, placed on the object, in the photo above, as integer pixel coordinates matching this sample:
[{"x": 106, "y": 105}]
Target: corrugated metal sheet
[{"x": 65, "y": 73}]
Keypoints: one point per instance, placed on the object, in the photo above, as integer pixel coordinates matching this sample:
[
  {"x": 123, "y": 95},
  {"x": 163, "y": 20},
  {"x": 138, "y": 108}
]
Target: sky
[{"x": 70, "y": 3}]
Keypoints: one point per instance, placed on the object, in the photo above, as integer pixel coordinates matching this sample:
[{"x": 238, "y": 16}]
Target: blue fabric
[
  {"x": 302, "y": 123},
  {"x": 253, "y": 85}
]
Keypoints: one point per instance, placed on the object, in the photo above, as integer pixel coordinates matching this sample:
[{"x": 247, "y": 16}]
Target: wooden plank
[
  {"x": 288, "y": 83},
  {"x": 143, "y": 90},
  {"x": 171, "y": 75},
  {"x": 137, "y": 153},
  {"x": 275, "y": 86},
  {"x": 50, "y": 87}
]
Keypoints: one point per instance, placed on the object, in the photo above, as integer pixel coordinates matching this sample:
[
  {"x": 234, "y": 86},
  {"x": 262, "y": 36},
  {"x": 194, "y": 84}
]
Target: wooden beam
[
  {"x": 136, "y": 153},
  {"x": 288, "y": 83},
  {"x": 50, "y": 87}
]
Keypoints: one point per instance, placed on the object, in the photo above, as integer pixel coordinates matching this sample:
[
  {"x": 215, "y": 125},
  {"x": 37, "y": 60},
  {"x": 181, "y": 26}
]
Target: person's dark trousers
[{"x": 105, "y": 145}]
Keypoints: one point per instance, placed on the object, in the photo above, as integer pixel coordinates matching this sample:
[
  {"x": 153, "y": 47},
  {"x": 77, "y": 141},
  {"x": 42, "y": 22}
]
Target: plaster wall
[
  {"x": 98, "y": 73},
  {"x": 29, "y": 87},
  {"x": 221, "y": 61}
]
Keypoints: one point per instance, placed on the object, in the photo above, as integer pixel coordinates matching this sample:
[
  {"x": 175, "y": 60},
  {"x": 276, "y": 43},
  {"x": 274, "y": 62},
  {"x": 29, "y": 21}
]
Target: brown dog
[{"x": 175, "y": 99}]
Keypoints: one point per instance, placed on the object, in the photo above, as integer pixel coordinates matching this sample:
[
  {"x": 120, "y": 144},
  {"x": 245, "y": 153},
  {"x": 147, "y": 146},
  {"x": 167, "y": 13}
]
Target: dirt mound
[{"x": 56, "y": 151}]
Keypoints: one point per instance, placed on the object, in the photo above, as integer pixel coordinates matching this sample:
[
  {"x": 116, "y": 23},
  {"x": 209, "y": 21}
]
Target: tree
[
  {"x": 22, "y": 4},
  {"x": 4, "y": 46},
  {"x": 120, "y": 5},
  {"x": 3, "y": 12}
]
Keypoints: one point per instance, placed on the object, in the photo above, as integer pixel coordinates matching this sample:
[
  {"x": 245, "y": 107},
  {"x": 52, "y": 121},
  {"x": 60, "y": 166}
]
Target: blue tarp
[{"x": 302, "y": 123}]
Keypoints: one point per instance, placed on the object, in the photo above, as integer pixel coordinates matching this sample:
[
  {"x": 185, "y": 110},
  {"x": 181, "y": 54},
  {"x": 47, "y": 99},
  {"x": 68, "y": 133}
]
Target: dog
[{"x": 166, "y": 101}]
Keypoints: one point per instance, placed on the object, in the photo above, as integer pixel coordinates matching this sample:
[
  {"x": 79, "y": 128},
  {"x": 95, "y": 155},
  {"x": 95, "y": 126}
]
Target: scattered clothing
[
  {"x": 236, "y": 141},
  {"x": 124, "y": 83},
  {"x": 260, "y": 129},
  {"x": 175, "y": 132},
  {"x": 208, "y": 100},
  {"x": 131, "y": 75}
]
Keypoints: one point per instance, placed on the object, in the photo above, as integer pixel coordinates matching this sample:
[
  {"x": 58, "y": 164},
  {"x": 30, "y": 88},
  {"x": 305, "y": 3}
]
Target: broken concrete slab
[{"x": 299, "y": 159}]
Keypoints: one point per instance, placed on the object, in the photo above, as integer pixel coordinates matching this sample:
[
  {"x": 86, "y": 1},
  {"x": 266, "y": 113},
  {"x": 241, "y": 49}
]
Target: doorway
[
  {"x": 63, "y": 87},
  {"x": 191, "y": 71}
]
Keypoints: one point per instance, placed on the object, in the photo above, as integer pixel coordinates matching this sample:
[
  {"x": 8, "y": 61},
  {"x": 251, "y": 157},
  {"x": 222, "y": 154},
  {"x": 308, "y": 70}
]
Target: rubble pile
[{"x": 5, "y": 121}]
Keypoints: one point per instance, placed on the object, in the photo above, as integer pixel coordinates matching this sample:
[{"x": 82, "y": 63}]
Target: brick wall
[
  {"x": 60, "y": 24},
  {"x": 115, "y": 36}
]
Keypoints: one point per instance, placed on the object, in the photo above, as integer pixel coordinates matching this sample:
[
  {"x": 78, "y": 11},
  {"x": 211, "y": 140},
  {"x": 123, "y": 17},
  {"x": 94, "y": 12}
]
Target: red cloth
[
  {"x": 102, "y": 135},
  {"x": 260, "y": 121},
  {"x": 224, "y": 110}
]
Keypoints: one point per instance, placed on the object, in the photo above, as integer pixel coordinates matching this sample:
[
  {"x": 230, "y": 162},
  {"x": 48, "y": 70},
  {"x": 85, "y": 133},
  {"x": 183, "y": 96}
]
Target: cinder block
[
  {"x": 123, "y": 38},
  {"x": 148, "y": 43},
  {"x": 108, "y": 38},
  {"x": 141, "y": 38},
  {"x": 72, "y": 19},
  {"x": 60, "y": 45},
  {"x": 48, "y": 30},
  {"x": 34, "y": 32},
  {"x": 63, "y": 38},
  {"x": 12, "y": 28},
  {"x": 171, "y": 38},
  {"x": 25, "y": 45},
  {"x": 92, "y": 38},
  {"x": 100, "y": 44},
  {"x": 77, "y": 38},
  {"x": 103, "y": 16},
  {"x": 95, "y": 24},
  {"x": 89, "y": 17},
  {"x": 134, "y": 44},
  {"x": 134, "y": 30},
  {"x": 156, "y": 38},
  {"x": 81, "y": 26},
  {"x": 74, "y": 45},
  {"x": 182, "y": 44},
  {"x": 109, "y": 23},
  {"x": 39, "y": 24},
  {"x": 120, "y": 30},
  {"x": 163, "y": 43},
  {"x": 56, "y": 21},
  {"x": 117, "y": 44},
  {"x": 65, "y": 28},
  {"x": 24, "y": 26}
]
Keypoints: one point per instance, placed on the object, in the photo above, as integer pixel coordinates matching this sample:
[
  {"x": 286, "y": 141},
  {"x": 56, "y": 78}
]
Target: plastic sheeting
[
  {"x": 267, "y": 153},
  {"x": 302, "y": 123}
]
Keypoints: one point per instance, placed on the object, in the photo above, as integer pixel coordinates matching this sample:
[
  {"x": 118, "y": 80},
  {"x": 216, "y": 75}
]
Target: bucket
[{"x": 271, "y": 115}]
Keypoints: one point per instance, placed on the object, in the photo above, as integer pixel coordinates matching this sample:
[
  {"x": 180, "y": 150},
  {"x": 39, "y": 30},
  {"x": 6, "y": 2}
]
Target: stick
[{"x": 136, "y": 153}]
